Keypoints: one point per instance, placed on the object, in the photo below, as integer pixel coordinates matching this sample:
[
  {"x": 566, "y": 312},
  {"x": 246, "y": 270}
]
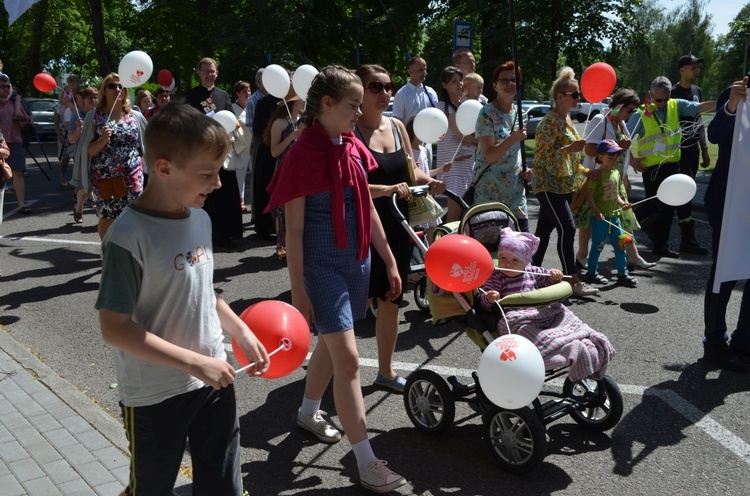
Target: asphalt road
[{"x": 684, "y": 430}]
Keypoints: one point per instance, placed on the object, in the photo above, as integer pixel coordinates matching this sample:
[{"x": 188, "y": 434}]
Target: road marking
[
  {"x": 698, "y": 418},
  {"x": 51, "y": 240}
]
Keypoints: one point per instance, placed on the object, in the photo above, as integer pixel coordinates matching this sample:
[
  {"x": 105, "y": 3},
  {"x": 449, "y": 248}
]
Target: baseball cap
[
  {"x": 608, "y": 146},
  {"x": 688, "y": 60}
]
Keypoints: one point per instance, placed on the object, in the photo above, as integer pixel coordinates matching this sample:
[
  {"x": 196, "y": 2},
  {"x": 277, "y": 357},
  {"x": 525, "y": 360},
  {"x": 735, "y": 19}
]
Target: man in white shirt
[
  {"x": 463, "y": 58},
  {"x": 414, "y": 95}
]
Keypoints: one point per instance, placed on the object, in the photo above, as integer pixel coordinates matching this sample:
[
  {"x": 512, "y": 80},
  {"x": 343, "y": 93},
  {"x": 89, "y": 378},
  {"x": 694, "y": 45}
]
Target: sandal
[{"x": 77, "y": 216}]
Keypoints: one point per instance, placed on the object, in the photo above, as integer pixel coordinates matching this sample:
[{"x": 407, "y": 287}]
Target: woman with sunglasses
[
  {"x": 557, "y": 174},
  {"x": 458, "y": 178},
  {"x": 498, "y": 174},
  {"x": 610, "y": 126},
  {"x": 388, "y": 142},
  {"x": 109, "y": 156}
]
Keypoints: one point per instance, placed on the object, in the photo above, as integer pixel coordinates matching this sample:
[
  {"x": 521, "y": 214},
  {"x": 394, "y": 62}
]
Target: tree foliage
[{"x": 636, "y": 37}]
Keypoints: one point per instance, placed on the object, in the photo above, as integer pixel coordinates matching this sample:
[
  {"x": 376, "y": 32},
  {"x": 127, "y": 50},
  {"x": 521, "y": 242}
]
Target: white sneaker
[
  {"x": 316, "y": 424},
  {"x": 380, "y": 479},
  {"x": 583, "y": 289}
]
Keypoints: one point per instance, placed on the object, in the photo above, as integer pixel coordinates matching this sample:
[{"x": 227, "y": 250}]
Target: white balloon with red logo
[
  {"x": 511, "y": 371},
  {"x": 135, "y": 69}
]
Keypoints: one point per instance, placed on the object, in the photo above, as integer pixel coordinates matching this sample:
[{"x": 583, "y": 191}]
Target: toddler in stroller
[
  {"x": 516, "y": 437},
  {"x": 562, "y": 338}
]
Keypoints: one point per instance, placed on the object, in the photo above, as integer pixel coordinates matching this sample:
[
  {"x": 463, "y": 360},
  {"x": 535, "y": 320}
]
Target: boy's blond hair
[
  {"x": 178, "y": 132},
  {"x": 473, "y": 78}
]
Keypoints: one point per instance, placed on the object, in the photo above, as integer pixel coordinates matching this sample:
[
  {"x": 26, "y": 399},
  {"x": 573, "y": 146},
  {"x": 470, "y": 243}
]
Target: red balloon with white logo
[
  {"x": 281, "y": 328},
  {"x": 458, "y": 263},
  {"x": 511, "y": 371}
]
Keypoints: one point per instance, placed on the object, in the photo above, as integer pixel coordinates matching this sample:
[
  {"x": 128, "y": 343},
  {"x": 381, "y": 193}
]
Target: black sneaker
[
  {"x": 724, "y": 358},
  {"x": 665, "y": 252},
  {"x": 627, "y": 280},
  {"x": 596, "y": 278}
]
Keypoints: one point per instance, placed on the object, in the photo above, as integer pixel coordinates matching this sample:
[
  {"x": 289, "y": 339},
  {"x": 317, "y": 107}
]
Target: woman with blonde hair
[
  {"x": 109, "y": 159},
  {"x": 557, "y": 173}
]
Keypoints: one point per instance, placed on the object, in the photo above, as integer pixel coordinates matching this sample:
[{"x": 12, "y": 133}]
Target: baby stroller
[{"x": 516, "y": 438}]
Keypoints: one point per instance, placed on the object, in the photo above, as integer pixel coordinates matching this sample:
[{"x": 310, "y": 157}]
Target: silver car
[
  {"x": 532, "y": 117},
  {"x": 43, "y": 110}
]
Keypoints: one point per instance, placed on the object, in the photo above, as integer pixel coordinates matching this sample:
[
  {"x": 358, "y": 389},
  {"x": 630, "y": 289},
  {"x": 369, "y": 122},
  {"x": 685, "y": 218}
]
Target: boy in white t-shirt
[{"x": 158, "y": 309}]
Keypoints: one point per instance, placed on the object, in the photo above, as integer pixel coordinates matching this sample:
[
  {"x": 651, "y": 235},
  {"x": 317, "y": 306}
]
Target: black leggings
[{"x": 554, "y": 213}]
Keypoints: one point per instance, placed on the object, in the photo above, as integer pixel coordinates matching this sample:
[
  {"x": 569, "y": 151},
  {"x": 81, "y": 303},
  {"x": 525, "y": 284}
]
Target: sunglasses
[
  {"x": 114, "y": 86},
  {"x": 5, "y": 86},
  {"x": 660, "y": 100},
  {"x": 574, "y": 94},
  {"x": 376, "y": 87},
  {"x": 506, "y": 81}
]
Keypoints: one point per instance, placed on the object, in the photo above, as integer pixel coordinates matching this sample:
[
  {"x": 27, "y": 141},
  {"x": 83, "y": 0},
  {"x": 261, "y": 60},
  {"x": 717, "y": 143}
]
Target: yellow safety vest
[{"x": 661, "y": 140}]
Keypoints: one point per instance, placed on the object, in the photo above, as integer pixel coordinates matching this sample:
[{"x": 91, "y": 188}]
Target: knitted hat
[{"x": 521, "y": 244}]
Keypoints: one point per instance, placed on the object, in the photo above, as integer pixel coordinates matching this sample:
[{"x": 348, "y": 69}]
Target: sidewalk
[{"x": 53, "y": 439}]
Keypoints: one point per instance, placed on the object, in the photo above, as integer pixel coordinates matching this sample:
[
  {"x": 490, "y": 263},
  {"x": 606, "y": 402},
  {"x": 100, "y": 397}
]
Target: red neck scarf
[{"x": 315, "y": 164}]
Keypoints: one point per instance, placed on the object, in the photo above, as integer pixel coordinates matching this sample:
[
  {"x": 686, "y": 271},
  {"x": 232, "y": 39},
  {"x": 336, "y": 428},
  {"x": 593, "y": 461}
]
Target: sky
[{"x": 722, "y": 12}]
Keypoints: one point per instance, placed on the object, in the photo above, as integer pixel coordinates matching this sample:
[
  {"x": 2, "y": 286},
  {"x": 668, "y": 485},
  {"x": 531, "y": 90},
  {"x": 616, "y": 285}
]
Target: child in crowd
[
  {"x": 158, "y": 309},
  {"x": 473, "y": 86},
  {"x": 421, "y": 158},
  {"x": 603, "y": 198},
  {"x": 562, "y": 338},
  {"x": 330, "y": 223}
]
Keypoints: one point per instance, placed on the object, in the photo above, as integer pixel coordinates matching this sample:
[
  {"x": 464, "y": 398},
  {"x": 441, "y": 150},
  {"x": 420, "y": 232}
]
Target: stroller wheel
[
  {"x": 602, "y": 402},
  {"x": 429, "y": 402},
  {"x": 420, "y": 295},
  {"x": 516, "y": 438}
]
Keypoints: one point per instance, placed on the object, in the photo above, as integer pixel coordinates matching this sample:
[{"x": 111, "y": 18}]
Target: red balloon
[
  {"x": 44, "y": 82},
  {"x": 598, "y": 81},
  {"x": 164, "y": 78},
  {"x": 276, "y": 324},
  {"x": 458, "y": 263}
]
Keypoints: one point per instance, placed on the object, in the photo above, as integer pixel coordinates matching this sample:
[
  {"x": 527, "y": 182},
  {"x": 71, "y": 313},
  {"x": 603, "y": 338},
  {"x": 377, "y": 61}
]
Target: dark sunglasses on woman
[{"x": 376, "y": 87}]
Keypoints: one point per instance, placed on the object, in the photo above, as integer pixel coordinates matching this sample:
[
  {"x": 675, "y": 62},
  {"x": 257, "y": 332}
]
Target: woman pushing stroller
[{"x": 562, "y": 338}]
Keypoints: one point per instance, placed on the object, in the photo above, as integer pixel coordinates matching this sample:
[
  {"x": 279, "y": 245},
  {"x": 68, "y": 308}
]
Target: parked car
[
  {"x": 582, "y": 112},
  {"x": 389, "y": 111},
  {"x": 532, "y": 117},
  {"x": 43, "y": 111}
]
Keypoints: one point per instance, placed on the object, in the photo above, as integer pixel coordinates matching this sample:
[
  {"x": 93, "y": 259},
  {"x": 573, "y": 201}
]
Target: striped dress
[{"x": 458, "y": 178}]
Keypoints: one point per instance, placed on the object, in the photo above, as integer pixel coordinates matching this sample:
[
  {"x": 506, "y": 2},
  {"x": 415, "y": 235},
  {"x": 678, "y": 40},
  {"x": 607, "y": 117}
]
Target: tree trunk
[
  {"x": 34, "y": 60},
  {"x": 103, "y": 56}
]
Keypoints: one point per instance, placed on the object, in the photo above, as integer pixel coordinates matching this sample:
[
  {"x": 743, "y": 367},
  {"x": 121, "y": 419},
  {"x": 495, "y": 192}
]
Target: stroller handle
[{"x": 417, "y": 191}]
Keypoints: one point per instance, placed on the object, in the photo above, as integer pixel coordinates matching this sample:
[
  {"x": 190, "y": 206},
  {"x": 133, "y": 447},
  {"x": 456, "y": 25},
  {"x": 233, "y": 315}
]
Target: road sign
[{"x": 463, "y": 35}]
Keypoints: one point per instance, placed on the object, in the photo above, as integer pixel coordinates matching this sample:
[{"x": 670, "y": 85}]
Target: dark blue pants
[{"x": 662, "y": 213}]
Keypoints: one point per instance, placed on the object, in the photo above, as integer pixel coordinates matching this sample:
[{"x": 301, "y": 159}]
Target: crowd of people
[{"x": 317, "y": 175}]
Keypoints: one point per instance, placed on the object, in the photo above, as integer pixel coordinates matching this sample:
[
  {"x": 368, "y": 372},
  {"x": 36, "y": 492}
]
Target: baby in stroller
[{"x": 561, "y": 337}]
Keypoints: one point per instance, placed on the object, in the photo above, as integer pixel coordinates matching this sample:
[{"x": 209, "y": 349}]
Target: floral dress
[
  {"x": 501, "y": 182},
  {"x": 120, "y": 157},
  {"x": 556, "y": 171}
]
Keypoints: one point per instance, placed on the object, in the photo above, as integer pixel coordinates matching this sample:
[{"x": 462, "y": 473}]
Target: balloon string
[
  {"x": 458, "y": 148},
  {"x": 291, "y": 119},
  {"x": 527, "y": 272},
  {"x": 113, "y": 105},
  {"x": 636, "y": 203},
  {"x": 618, "y": 227},
  {"x": 281, "y": 347}
]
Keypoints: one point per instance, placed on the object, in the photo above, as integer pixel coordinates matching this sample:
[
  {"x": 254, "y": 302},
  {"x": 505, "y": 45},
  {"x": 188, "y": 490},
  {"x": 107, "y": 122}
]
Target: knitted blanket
[{"x": 563, "y": 339}]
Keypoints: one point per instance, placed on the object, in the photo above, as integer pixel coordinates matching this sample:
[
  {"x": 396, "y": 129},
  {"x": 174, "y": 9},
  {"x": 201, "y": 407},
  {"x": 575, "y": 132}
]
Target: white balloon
[
  {"x": 676, "y": 190},
  {"x": 467, "y": 115},
  {"x": 276, "y": 80},
  {"x": 227, "y": 119},
  {"x": 430, "y": 125},
  {"x": 302, "y": 80},
  {"x": 135, "y": 68},
  {"x": 511, "y": 371}
]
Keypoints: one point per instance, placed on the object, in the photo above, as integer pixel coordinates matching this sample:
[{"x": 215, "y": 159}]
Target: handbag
[
  {"x": 113, "y": 188},
  {"x": 423, "y": 208}
]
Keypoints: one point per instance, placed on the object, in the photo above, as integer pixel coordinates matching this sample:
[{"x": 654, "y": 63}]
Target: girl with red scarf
[{"x": 330, "y": 223}]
